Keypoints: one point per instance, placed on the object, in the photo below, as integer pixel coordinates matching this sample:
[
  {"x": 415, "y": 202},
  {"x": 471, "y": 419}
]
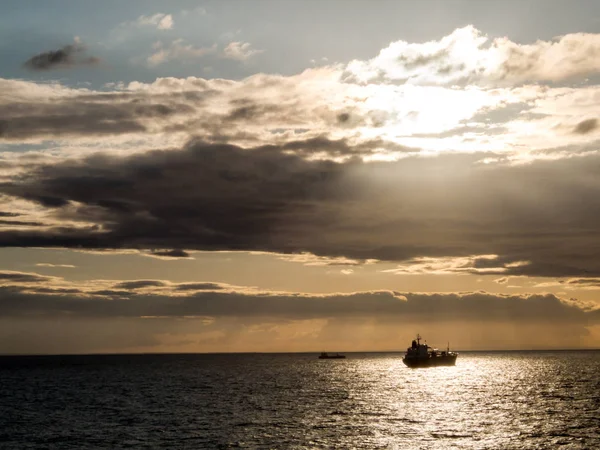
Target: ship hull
[{"x": 430, "y": 362}]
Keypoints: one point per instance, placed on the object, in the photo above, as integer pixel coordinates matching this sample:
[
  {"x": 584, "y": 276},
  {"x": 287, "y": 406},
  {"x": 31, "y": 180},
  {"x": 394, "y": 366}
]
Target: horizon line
[{"x": 286, "y": 353}]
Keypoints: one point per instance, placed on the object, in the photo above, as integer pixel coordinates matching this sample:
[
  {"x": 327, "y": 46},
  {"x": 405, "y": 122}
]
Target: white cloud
[
  {"x": 240, "y": 51},
  {"x": 467, "y": 56},
  {"x": 166, "y": 23},
  {"x": 161, "y": 21},
  {"x": 177, "y": 51}
]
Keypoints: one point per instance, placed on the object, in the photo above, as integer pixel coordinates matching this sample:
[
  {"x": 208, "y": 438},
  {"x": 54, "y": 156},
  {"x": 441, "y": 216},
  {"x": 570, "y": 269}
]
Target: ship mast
[{"x": 418, "y": 339}]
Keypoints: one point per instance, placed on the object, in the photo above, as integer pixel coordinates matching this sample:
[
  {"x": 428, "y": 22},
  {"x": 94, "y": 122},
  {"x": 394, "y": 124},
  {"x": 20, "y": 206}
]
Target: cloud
[
  {"x": 308, "y": 259},
  {"x": 219, "y": 317},
  {"x": 240, "y": 51},
  {"x": 317, "y": 170},
  {"x": 474, "y": 264},
  {"x": 20, "y": 223},
  {"x": 169, "y": 254},
  {"x": 199, "y": 287},
  {"x": 586, "y": 126},
  {"x": 60, "y": 266},
  {"x": 22, "y": 277},
  {"x": 160, "y": 20},
  {"x": 68, "y": 56},
  {"x": 449, "y": 214},
  {"x": 166, "y": 23},
  {"x": 468, "y": 56},
  {"x": 273, "y": 109},
  {"x": 144, "y": 298},
  {"x": 177, "y": 51},
  {"x": 578, "y": 283},
  {"x": 139, "y": 284},
  {"x": 68, "y": 112}
]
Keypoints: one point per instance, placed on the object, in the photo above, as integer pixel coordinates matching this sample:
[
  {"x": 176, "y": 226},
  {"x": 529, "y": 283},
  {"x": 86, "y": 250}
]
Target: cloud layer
[
  {"x": 445, "y": 213},
  {"x": 436, "y": 156},
  {"x": 158, "y": 315}
]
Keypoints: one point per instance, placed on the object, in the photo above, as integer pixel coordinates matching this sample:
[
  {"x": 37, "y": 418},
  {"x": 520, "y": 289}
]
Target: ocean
[{"x": 495, "y": 400}]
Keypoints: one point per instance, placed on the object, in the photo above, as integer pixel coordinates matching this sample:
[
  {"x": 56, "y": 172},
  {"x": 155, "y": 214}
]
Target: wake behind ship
[{"x": 421, "y": 355}]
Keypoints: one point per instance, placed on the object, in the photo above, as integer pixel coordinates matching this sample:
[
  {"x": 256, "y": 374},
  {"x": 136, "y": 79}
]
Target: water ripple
[{"x": 521, "y": 400}]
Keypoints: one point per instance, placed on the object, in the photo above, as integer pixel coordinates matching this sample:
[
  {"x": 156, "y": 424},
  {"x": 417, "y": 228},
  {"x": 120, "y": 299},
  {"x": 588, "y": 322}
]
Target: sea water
[{"x": 496, "y": 400}]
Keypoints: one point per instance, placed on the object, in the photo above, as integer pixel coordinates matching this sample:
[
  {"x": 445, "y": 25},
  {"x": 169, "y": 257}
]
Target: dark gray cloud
[
  {"x": 582, "y": 282},
  {"x": 214, "y": 196},
  {"x": 474, "y": 306},
  {"x": 541, "y": 219},
  {"x": 199, "y": 287},
  {"x": 175, "y": 253},
  {"x": 88, "y": 115},
  {"x": 68, "y": 56},
  {"x": 139, "y": 284},
  {"x": 23, "y": 277},
  {"x": 23, "y": 223},
  {"x": 153, "y": 312},
  {"x": 335, "y": 148},
  {"x": 586, "y": 126}
]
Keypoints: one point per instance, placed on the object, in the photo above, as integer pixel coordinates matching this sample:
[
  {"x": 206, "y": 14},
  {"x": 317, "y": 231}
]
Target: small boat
[
  {"x": 324, "y": 355},
  {"x": 422, "y": 355}
]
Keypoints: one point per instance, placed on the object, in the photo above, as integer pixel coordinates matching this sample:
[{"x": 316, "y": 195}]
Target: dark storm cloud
[
  {"x": 586, "y": 126},
  {"x": 541, "y": 219},
  {"x": 213, "y": 196},
  {"x": 68, "y": 56}
]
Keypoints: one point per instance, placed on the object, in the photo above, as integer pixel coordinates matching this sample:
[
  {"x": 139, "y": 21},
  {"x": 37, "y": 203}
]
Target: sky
[{"x": 285, "y": 176}]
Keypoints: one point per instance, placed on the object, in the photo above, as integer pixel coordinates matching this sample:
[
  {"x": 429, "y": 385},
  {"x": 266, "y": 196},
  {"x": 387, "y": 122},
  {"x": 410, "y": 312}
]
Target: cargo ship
[{"x": 422, "y": 355}]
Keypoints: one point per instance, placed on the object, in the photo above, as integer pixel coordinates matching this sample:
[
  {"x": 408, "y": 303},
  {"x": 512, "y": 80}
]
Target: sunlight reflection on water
[
  {"x": 497, "y": 400},
  {"x": 488, "y": 400}
]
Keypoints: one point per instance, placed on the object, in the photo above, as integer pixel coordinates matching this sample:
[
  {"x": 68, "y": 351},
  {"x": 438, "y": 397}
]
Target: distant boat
[
  {"x": 421, "y": 355},
  {"x": 325, "y": 355}
]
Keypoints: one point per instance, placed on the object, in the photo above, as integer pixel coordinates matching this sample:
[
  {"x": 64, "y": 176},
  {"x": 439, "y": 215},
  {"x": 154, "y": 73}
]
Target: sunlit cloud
[
  {"x": 56, "y": 266},
  {"x": 477, "y": 265},
  {"x": 240, "y": 51},
  {"x": 160, "y": 20},
  {"x": 467, "y": 55}
]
